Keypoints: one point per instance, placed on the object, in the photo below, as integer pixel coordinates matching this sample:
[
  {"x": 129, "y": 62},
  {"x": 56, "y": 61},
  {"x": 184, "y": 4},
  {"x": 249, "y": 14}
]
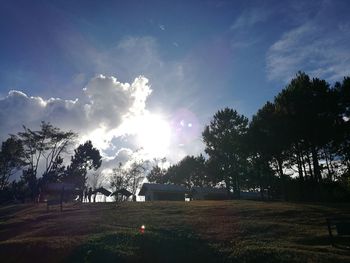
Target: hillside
[{"x": 207, "y": 231}]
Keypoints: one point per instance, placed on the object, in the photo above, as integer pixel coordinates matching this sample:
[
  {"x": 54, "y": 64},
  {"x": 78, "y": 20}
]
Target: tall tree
[
  {"x": 11, "y": 155},
  {"x": 307, "y": 106},
  {"x": 45, "y": 146},
  {"x": 85, "y": 158},
  {"x": 224, "y": 145},
  {"x": 267, "y": 145},
  {"x": 136, "y": 174},
  {"x": 342, "y": 144},
  {"x": 118, "y": 180}
]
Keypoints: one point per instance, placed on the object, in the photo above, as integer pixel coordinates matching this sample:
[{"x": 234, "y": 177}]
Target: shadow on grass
[
  {"x": 152, "y": 246},
  {"x": 341, "y": 242}
]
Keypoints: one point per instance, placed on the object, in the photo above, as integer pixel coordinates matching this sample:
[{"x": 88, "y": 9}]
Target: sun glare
[{"x": 154, "y": 135}]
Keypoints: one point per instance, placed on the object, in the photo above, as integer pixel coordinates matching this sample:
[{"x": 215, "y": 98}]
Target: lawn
[{"x": 198, "y": 231}]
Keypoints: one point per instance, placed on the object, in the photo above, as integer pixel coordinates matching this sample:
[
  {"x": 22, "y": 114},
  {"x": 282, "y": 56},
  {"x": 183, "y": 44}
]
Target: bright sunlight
[{"x": 153, "y": 135}]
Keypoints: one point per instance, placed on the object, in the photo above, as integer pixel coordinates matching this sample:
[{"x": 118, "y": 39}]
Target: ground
[{"x": 198, "y": 231}]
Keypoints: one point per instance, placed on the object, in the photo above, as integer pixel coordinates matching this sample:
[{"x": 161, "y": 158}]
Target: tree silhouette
[
  {"x": 118, "y": 180},
  {"x": 342, "y": 143},
  {"x": 11, "y": 155},
  {"x": 129, "y": 177},
  {"x": 308, "y": 107},
  {"x": 43, "y": 148},
  {"x": 224, "y": 145},
  {"x": 45, "y": 145},
  {"x": 190, "y": 171},
  {"x": 157, "y": 175},
  {"x": 267, "y": 145},
  {"x": 85, "y": 158}
]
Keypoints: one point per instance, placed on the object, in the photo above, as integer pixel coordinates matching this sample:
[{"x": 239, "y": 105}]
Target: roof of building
[
  {"x": 209, "y": 190},
  {"x": 103, "y": 191},
  {"x": 122, "y": 191},
  {"x": 162, "y": 188}
]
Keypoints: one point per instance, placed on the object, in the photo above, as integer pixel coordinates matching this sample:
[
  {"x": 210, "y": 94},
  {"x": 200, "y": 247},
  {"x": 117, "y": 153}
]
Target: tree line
[
  {"x": 38, "y": 156},
  {"x": 296, "y": 147}
]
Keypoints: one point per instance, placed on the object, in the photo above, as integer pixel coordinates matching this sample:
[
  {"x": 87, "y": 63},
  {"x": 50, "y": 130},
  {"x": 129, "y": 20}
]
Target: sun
[{"x": 154, "y": 135}]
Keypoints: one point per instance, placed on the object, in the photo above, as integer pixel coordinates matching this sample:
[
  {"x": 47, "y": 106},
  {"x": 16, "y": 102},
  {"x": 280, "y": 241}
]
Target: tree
[
  {"x": 224, "y": 145},
  {"x": 44, "y": 146},
  {"x": 129, "y": 177},
  {"x": 118, "y": 180},
  {"x": 85, "y": 158},
  {"x": 96, "y": 181},
  {"x": 308, "y": 108},
  {"x": 342, "y": 144},
  {"x": 267, "y": 146},
  {"x": 156, "y": 175},
  {"x": 10, "y": 159},
  {"x": 190, "y": 171},
  {"x": 136, "y": 174}
]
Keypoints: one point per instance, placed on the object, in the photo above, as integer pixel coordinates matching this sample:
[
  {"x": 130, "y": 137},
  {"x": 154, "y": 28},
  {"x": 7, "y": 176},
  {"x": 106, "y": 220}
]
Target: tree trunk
[
  {"x": 310, "y": 167},
  {"x": 304, "y": 167},
  {"x": 329, "y": 173},
  {"x": 282, "y": 177},
  {"x": 316, "y": 165},
  {"x": 300, "y": 169}
]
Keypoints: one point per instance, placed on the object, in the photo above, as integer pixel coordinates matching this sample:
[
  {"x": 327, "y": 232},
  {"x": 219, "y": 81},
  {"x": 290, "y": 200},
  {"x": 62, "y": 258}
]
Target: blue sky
[{"x": 198, "y": 56}]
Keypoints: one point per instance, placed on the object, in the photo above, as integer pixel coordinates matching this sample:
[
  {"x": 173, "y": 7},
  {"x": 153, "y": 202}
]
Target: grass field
[{"x": 199, "y": 231}]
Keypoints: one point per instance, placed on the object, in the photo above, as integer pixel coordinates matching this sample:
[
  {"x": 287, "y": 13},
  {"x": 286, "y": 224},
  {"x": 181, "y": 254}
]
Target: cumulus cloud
[
  {"x": 96, "y": 115},
  {"x": 114, "y": 116},
  {"x": 110, "y": 100},
  {"x": 107, "y": 110}
]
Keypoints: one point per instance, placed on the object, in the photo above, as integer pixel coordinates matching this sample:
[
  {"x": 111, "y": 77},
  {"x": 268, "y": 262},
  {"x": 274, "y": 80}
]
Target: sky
[{"x": 143, "y": 78}]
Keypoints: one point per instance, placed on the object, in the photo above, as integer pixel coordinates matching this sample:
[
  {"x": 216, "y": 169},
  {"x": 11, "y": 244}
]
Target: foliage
[
  {"x": 128, "y": 177},
  {"x": 85, "y": 158},
  {"x": 31, "y": 149},
  {"x": 11, "y": 155},
  {"x": 157, "y": 175},
  {"x": 296, "y": 147},
  {"x": 190, "y": 171},
  {"x": 45, "y": 145},
  {"x": 224, "y": 138}
]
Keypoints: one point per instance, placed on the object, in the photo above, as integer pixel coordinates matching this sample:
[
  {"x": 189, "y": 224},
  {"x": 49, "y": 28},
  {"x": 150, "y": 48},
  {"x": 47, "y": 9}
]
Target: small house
[
  {"x": 163, "y": 192},
  {"x": 209, "y": 193}
]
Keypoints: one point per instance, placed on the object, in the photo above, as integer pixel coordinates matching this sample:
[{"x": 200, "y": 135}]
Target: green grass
[{"x": 207, "y": 231}]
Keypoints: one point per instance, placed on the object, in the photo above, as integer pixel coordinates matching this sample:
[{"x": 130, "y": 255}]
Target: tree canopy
[{"x": 85, "y": 158}]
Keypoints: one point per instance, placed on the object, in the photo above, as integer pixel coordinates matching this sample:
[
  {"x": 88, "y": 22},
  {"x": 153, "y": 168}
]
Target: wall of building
[{"x": 164, "y": 196}]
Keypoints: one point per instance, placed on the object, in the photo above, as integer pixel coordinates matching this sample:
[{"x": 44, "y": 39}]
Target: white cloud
[
  {"x": 96, "y": 115},
  {"x": 122, "y": 156},
  {"x": 250, "y": 18},
  {"x": 106, "y": 107},
  {"x": 110, "y": 99},
  {"x": 108, "y": 113},
  {"x": 321, "y": 49}
]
